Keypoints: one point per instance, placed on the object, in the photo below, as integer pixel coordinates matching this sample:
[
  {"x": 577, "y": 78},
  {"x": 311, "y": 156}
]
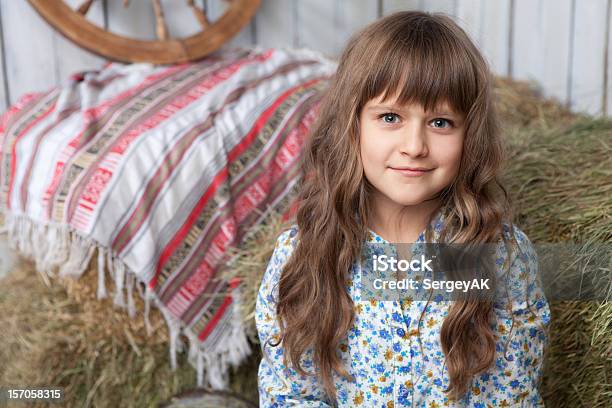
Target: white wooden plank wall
[
  {"x": 588, "y": 62},
  {"x": 563, "y": 46}
]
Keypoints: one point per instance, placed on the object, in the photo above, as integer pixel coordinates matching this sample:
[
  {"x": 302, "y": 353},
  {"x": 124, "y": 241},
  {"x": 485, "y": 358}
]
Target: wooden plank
[
  {"x": 527, "y": 40},
  {"x": 608, "y": 82},
  {"x": 487, "y": 24},
  {"x": 276, "y": 23},
  {"x": 495, "y": 29},
  {"x": 587, "y": 65},
  {"x": 246, "y": 36},
  {"x": 4, "y": 96},
  {"x": 555, "y": 52},
  {"x": 391, "y": 6},
  {"x": 180, "y": 19},
  {"x": 327, "y": 25},
  {"x": 317, "y": 25},
  {"x": 69, "y": 57},
  {"x": 542, "y": 55},
  {"x": 440, "y": 6},
  {"x": 29, "y": 54},
  {"x": 136, "y": 21},
  {"x": 354, "y": 15},
  {"x": 469, "y": 17}
]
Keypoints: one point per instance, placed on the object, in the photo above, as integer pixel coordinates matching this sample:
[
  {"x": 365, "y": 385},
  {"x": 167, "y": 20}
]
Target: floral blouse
[{"x": 382, "y": 351}]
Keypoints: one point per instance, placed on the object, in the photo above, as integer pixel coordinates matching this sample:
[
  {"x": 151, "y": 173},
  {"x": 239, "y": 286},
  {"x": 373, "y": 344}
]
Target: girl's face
[{"x": 396, "y": 137}]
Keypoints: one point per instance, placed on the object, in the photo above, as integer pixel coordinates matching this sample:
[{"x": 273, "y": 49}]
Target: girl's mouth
[{"x": 411, "y": 172}]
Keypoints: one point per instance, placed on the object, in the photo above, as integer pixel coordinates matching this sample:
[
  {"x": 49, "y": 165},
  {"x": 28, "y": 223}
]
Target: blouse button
[{"x": 401, "y": 332}]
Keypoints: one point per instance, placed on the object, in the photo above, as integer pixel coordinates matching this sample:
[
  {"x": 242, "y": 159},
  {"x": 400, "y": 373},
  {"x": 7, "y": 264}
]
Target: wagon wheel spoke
[
  {"x": 84, "y": 8},
  {"x": 160, "y": 21},
  {"x": 199, "y": 14}
]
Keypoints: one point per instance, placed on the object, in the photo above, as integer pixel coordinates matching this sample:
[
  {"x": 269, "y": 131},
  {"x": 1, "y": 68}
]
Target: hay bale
[
  {"x": 63, "y": 336},
  {"x": 53, "y": 336},
  {"x": 560, "y": 167},
  {"x": 560, "y": 176},
  {"x": 520, "y": 106}
]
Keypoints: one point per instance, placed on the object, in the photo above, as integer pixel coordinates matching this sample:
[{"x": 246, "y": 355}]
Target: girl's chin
[
  {"x": 412, "y": 199},
  {"x": 409, "y": 201}
]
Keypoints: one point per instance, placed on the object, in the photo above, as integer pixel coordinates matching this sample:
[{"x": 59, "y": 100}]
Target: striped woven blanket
[{"x": 158, "y": 170}]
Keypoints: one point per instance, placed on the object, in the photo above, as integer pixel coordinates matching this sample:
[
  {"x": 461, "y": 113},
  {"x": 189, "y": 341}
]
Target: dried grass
[{"x": 62, "y": 336}]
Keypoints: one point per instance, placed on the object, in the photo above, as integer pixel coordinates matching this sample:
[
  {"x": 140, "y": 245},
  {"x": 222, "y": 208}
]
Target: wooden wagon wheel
[{"x": 73, "y": 25}]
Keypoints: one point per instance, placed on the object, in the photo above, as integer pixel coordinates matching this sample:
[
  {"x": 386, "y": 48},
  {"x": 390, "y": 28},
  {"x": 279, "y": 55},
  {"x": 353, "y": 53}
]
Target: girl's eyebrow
[{"x": 393, "y": 107}]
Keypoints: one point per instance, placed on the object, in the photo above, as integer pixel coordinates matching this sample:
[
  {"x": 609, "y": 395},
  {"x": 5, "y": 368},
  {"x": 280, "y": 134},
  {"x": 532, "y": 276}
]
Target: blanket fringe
[
  {"x": 101, "y": 273},
  {"x": 149, "y": 296},
  {"x": 232, "y": 349},
  {"x": 130, "y": 290},
  {"x": 3, "y": 228},
  {"x": 79, "y": 257},
  {"x": 54, "y": 247},
  {"x": 119, "y": 268}
]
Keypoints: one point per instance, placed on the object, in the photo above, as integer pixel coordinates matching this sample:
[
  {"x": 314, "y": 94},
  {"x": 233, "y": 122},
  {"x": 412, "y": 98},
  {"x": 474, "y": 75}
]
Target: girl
[{"x": 406, "y": 149}]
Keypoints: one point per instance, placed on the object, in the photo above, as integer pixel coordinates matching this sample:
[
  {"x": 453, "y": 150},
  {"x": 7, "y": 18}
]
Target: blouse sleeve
[
  {"x": 279, "y": 385},
  {"x": 522, "y": 317}
]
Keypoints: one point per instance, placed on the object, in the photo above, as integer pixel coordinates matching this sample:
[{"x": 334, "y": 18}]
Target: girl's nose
[{"x": 413, "y": 142}]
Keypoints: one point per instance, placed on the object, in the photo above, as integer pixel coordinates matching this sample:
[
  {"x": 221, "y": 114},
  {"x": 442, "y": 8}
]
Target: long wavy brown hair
[{"x": 423, "y": 58}]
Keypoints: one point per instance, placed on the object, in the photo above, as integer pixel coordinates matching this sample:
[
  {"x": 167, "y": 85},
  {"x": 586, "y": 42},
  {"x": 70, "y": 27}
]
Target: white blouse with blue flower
[{"x": 391, "y": 367}]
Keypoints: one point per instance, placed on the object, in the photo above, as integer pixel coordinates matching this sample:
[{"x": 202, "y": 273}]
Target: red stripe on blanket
[
  {"x": 217, "y": 316},
  {"x": 90, "y": 116},
  {"x": 25, "y": 183},
  {"x": 236, "y": 151},
  {"x": 14, "y": 149},
  {"x": 16, "y": 108},
  {"x": 177, "y": 104},
  {"x": 180, "y": 234},
  {"x": 131, "y": 226},
  {"x": 240, "y": 148},
  {"x": 290, "y": 143},
  {"x": 245, "y": 203}
]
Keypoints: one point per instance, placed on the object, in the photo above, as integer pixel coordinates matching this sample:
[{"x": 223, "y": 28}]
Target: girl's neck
[{"x": 404, "y": 227}]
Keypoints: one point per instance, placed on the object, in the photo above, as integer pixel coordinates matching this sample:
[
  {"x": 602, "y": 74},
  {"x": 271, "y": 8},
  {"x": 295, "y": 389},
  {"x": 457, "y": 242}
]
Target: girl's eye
[
  {"x": 388, "y": 117},
  {"x": 441, "y": 121},
  {"x": 438, "y": 122}
]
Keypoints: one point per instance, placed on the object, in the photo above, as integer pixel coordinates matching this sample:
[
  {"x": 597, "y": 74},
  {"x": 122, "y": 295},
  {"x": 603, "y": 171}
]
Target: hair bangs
[{"x": 424, "y": 66}]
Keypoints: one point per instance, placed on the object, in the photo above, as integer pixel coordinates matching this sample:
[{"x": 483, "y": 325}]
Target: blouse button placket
[{"x": 402, "y": 365}]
